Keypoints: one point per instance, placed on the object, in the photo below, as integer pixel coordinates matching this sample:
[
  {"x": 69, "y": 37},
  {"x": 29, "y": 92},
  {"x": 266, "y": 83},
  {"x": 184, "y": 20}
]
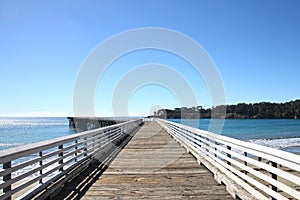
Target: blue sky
[{"x": 254, "y": 44}]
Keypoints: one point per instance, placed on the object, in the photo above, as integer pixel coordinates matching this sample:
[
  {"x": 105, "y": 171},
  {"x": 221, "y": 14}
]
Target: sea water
[
  {"x": 20, "y": 131},
  {"x": 281, "y": 134},
  {"x": 15, "y": 131},
  {"x": 277, "y": 133}
]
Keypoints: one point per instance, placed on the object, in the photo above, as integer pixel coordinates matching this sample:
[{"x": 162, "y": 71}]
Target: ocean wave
[
  {"x": 29, "y": 123},
  {"x": 10, "y": 144},
  {"x": 277, "y": 143},
  {"x": 33, "y": 121}
]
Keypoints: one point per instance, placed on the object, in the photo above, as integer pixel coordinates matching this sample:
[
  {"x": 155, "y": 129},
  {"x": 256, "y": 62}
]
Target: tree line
[{"x": 263, "y": 110}]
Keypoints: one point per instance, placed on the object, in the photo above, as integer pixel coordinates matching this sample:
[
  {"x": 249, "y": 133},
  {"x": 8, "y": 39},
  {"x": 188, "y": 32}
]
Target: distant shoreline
[
  {"x": 151, "y": 116},
  {"x": 263, "y": 110}
]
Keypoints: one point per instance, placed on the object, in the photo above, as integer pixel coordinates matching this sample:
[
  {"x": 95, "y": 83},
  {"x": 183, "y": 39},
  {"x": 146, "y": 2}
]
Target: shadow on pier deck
[{"x": 151, "y": 166}]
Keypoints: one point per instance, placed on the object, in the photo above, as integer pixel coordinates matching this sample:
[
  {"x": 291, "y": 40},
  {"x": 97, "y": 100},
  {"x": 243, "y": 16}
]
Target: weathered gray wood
[{"x": 152, "y": 166}]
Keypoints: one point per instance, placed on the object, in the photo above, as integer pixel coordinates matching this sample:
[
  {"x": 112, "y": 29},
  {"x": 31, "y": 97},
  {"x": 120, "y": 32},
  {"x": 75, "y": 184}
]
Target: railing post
[
  {"x": 245, "y": 162},
  {"x": 122, "y": 130},
  {"x": 216, "y": 148},
  {"x": 41, "y": 164},
  {"x": 208, "y": 147},
  {"x": 7, "y": 178},
  {"x": 195, "y": 138},
  {"x": 228, "y": 155},
  {"x": 273, "y": 176},
  {"x": 93, "y": 143},
  {"x": 200, "y": 140},
  {"x": 76, "y": 147},
  {"x": 85, "y": 146},
  {"x": 259, "y": 159},
  {"x": 61, "y": 162}
]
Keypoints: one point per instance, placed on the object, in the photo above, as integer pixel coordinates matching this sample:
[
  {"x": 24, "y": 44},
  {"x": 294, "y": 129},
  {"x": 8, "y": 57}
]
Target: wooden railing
[
  {"x": 89, "y": 123},
  {"x": 30, "y": 169},
  {"x": 248, "y": 170},
  {"x": 148, "y": 119}
]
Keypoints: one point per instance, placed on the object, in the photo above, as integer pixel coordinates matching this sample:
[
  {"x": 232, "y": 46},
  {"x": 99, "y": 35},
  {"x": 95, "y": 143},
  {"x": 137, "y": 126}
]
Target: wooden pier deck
[{"x": 151, "y": 166}]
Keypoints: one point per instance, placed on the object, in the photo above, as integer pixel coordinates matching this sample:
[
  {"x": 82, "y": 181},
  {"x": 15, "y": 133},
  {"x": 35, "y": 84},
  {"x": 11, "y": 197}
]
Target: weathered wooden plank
[{"x": 152, "y": 166}]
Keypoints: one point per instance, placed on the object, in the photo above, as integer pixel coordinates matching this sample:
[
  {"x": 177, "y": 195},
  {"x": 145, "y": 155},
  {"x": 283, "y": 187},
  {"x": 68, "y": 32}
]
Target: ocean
[
  {"x": 15, "y": 131},
  {"x": 281, "y": 134},
  {"x": 278, "y": 133}
]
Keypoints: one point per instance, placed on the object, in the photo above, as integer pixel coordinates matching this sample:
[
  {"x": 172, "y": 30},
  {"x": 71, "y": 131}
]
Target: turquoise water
[
  {"x": 277, "y": 133},
  {"x": 19, "y": 131}
]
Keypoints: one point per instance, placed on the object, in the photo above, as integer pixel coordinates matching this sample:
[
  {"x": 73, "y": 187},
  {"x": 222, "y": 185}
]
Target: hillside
[{"x": 263, "y": 110}]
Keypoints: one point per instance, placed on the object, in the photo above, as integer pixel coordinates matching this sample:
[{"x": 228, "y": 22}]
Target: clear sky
[{"x": 254, "y": 44}]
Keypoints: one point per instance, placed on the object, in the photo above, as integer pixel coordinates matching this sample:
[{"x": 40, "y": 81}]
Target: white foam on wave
[
  {"x": 10, "y": 145},
  {"x": 13, "y": 122},
  {"x": 277, "y": 143}
]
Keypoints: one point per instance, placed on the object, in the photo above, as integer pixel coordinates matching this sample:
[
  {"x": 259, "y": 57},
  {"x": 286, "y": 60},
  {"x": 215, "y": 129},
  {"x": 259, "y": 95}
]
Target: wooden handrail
[
  {"x": 33, "y": 167},
  {"x": 262, "y": 172}
]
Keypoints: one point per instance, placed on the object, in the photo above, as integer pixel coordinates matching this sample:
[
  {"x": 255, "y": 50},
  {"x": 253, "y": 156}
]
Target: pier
[
  {"x": 148, "y": 159},
  {"x": 85, "y": 123},
  {"x": 153, "y": 166}
]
